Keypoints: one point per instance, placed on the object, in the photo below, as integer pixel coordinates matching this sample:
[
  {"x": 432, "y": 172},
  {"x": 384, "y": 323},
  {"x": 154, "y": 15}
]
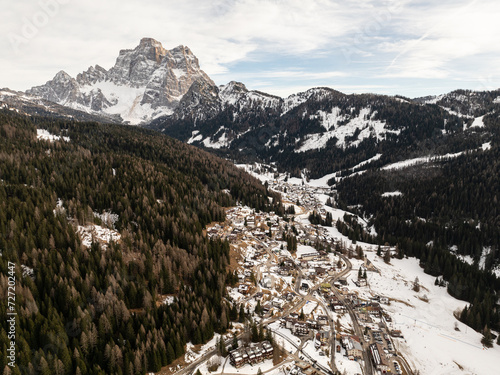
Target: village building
[
  {"x": 252, "y": 354},
  {"x": 353, "y": 347},
  {"x": 378, "y": 360},
  {"x": 300, "y": 329}
]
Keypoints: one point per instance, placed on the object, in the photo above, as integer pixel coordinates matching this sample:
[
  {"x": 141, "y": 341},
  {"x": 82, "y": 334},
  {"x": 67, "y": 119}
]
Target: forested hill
[
  {"x": 442, "y": 212},
  {"x": 96, "y": 307}
]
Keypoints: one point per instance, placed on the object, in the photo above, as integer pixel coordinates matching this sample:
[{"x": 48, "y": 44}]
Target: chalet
[
  {"x": 322, "y": 320},
  {"x": 250, "y": 221},
  {"x": 310, "y": 371},
  {"x": 320, "y": 271},
  {"x": 361, "y": 282},
  {"x": 312, "y": 324},
  {"x": 278, "y": 302},
  {"x": 323, "y": 253},
  {"x": 300, "y": 329},
  {"x": 290, "y": 322},
  {"x": 384, "y": 300},
  {"x": 266, "y": 307},
  {"x": 267, "y": 282},
  {"x": 374, "y": 308},
  {"x": 285, "y": 270},
  {"x": 303, "y": 366},
  {"x": 247, "y": 273},
  {"x": 243, "y": 288},
  {"x": 258, "y": 296},
  {"x": 342, "y": 281},
  {"x": 353, "y": 298},
  {"x": 339, "y": 307}
]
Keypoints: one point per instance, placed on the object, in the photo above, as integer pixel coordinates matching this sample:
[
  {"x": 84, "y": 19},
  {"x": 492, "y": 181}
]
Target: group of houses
[
  {"x": 303, "y": 327},
  {"x": 253, "y": 353}
]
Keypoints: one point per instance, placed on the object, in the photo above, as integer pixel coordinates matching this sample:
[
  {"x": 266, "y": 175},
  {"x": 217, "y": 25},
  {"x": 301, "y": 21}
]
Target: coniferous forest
[{"x": 99, "y": 309}]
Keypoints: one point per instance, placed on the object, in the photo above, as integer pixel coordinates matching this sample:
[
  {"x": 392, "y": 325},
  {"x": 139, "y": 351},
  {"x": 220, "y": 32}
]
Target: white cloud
[
  {"x": 441, "y": 36},
  {"x": 361, "y": 39}
]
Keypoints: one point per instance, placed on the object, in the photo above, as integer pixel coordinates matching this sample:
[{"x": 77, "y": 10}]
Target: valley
[
  {"x": 160, "y": 223},
  {"x": 333, "y": 305}
]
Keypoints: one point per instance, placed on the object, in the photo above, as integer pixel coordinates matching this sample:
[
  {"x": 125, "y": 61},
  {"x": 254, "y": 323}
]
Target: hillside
[
  {"x": 102, "y": 223},
  {"x": 323, "y": 131}
]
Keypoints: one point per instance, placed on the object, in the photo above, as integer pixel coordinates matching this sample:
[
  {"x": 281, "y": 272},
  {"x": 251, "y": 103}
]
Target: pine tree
[
  {"x": 487, "y": 339},
  {"x": 170, "y": 353},
  {"x": 387, "y": 256},
  {"x": 235, "y": 342},
  {"x": 241, "y": 315},
  {"x": 416, "y": 285}
]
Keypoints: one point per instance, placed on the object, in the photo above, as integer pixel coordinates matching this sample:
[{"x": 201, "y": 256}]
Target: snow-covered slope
[{"x": 341, "y": 125}]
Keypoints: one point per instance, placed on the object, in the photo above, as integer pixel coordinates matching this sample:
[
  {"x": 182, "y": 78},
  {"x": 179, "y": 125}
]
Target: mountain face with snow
[
  {"x": 146, "y": 82},
  {"x": 321, "y": 130}
]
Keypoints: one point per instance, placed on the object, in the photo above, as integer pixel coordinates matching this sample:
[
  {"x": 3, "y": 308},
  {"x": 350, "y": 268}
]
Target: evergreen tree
[{"x": 487, "y": 339}]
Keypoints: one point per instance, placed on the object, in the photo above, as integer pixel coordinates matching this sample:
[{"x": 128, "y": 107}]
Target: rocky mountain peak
[
  {"x": 61, "y": 89},
  {"x": 151, "y": 49},
  {"x": 145, "y": 82},
  {"x": 92, "y": 75}
]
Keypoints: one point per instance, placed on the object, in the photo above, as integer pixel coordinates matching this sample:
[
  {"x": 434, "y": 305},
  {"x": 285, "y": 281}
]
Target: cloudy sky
[{"x": 412, "y": 48}]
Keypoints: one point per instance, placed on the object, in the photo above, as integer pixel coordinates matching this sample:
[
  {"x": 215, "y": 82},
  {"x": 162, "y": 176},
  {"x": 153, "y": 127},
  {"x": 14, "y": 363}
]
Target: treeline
[
  {"x": 351, "y": 228},
  {"x": 442, "y": 206},
  {"x": 315, "y": 218},
  {"x": 104, "y": 309}
]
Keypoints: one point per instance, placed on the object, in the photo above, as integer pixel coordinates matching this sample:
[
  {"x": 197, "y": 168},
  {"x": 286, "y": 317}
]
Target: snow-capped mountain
[{"x": 145, "y": 83}]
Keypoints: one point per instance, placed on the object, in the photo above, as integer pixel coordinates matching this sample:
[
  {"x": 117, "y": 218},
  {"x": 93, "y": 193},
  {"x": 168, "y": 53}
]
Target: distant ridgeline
[{"x": 98, "y": 307}]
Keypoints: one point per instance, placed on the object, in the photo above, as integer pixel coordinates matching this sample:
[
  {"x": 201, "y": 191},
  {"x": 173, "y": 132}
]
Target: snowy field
[{"x": 431, "y": 344}]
